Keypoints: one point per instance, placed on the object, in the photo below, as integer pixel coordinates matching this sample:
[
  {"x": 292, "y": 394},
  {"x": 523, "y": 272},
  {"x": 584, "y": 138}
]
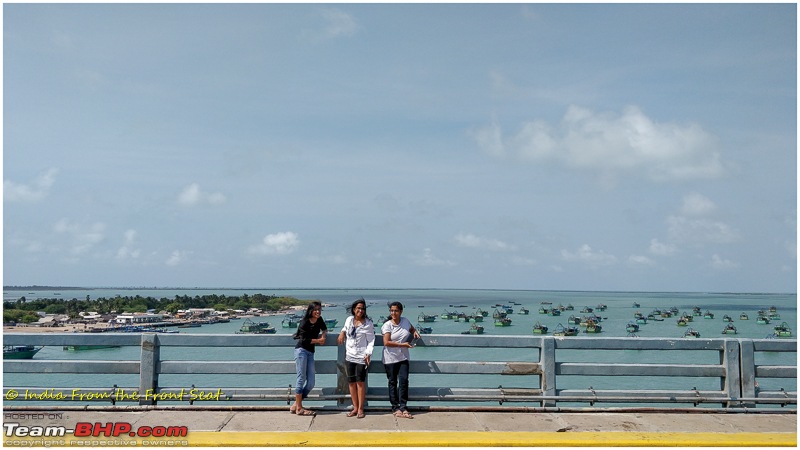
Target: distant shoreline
[{"x": 150, "y": 288}]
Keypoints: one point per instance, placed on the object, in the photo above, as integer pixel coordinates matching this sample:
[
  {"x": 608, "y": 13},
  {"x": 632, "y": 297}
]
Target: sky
[{"x": 614, "y": 147}]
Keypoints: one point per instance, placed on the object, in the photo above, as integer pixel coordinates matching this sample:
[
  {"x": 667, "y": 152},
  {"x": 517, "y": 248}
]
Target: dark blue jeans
[{"x": 397, "y": 373}]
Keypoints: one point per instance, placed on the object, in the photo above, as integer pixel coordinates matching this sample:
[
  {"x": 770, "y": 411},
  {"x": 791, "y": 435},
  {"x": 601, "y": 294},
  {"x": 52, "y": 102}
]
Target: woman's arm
[{"x": 387, "y": 342}]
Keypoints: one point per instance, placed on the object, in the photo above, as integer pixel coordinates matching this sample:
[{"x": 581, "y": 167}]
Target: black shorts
[{"x": 356, "y": 372}]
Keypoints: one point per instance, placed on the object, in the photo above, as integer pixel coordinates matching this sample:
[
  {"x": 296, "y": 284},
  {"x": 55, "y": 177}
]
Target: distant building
[{"x": 138, "y": 318}]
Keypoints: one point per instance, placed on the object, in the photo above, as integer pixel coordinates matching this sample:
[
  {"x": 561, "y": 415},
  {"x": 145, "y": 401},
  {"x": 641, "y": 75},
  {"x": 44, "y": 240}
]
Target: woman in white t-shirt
[
  {"x": 397, "y": 336},
  {"x": 358, "y": 335}
]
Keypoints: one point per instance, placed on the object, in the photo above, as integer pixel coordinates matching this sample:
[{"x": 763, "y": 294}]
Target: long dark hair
[
  {"x": 311, "y": 307},
  {"x": 352, "y": 308}
]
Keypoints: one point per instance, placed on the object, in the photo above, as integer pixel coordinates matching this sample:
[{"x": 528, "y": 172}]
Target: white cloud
[
  {"x": 339, "y": 23},
  {"x": 685, "y": 230},
  {"x": 640, "y": 260},
  {"x": 429, "y": 259},
  {"x": 697, "y": 205},
  {"x": 472, "y": 241},
  {"x": 192, "y": 195},
  {"x": 34, "y": 191},
  {"x": 661, "y": 249},
  {"x": 722, "y": 264},
  {"x": 282, "y": 243},
  {"x": 127, "y": 250},
  {"x": 586, "y": 255},
  {"x": 329, "y": 259},
  {"x": 176, "y": 258},
  {"x": 83, "y": 238},
  {"x": 610, "y": 144}
]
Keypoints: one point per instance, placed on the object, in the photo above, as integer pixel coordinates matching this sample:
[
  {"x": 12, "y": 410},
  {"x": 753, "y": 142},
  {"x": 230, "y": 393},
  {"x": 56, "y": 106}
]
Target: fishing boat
[
  {"x": 250, "y": 327},
  {"x": 708, "y": 315},
  {"x": 565, "y": 331},
  {"x": 538, "y": 328},
  {"x": 632, "y": 327},
  {"x": 290, "y": 322},
  {"x": 682, "y": 322},
  {"x": 424, "y": 330},
  {"x": 762, "y": 320},
  {"x": 499, "y": 314},
  {"x": 20, "y": 351},
  {"x": 544, "y": 310},
  {"x": 569, "y": 307},
  {"x": 475, "y": 318},
  {"x": 574, "y": 320},
  {"x": 696, "y": 311},
  {"x": 448, "y": 315},
  {"x": 524, "y": 311},
  {"x": 727, "y": 318},
  {"x": 601, "y": 307},
  {"x": 729, "y": 329},
  {"x": 331, "y": 323},
  {"x": 637, "y": 305},
  {"x": 587, "y": 310},
  {"x": 482, "y": 312},
  {"x": 593, "y": 327},
  {"x": 691, "y": 333},
  {"x": 77, "y": 348},
  {"x": 774, "y": 316},
  {"x": 783, "y": 330},
  {"x": 554, "y": 312},
  {"x": 474, "y": 329},
  {"x": 744, "y": 316},
  {"x": 502, "y": 322},
  {"x": 425, "y": 318}
]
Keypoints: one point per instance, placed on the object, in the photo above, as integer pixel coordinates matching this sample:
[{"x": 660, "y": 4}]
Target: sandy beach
[{"x": 68, "y": 328}]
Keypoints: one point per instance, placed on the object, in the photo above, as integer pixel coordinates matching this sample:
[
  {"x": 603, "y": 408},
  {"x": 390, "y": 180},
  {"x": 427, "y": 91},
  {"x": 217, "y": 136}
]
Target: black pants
[{"x": 398, "y": 373}]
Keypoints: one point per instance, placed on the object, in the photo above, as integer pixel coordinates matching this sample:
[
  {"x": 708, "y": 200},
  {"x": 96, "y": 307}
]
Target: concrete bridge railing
[{"x": 548, "y": 374}]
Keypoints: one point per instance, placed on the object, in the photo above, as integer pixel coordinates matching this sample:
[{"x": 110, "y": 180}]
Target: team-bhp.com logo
[{"x": 97, "y": 429}]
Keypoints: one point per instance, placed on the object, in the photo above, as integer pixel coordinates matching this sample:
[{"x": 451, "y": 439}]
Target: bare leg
[
  {"x": 354, "y": 398},
  {"x": 362, "y": 395}
]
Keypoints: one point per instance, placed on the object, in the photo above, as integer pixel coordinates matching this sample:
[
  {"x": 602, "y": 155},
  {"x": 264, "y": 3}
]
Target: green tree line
[{"x": 24, "y": 311}]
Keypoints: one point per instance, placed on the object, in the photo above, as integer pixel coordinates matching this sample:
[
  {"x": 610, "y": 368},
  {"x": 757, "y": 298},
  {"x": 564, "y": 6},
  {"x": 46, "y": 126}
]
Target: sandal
[
  {"x": 361, "y": 415},
  {"x": 292, "y": 409},
  {"x": 305, "y": 412},
  {"x": 407, "y": 415},
  {"x": 398, "y": 413},
  {"x": 352, "y": 413}
]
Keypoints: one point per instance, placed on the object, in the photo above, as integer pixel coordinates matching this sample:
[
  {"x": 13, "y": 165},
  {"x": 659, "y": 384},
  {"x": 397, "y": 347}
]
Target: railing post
[
  {"x": 730, "y": 360},
  {"x": 747, "y": 362},
  {"x": 548, "y": 364},
  {"x": 148, "y": 368},
  {"x": 342, "y": 387}
]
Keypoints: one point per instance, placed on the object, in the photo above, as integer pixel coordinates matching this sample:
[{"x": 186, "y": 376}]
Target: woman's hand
[
  {"x": 367, "y": 358},
  {"x": 340, "y": 340}
]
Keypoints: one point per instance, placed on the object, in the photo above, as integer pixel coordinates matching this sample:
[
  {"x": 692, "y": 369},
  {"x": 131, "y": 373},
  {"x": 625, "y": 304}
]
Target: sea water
[{"x": 620, "y": 311}]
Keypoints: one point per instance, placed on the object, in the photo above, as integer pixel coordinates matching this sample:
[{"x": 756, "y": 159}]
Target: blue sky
[{"x": 515, "y": 146}]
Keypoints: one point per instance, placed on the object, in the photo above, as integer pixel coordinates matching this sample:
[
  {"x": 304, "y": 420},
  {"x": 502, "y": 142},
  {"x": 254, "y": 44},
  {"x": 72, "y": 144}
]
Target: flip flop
[
  {"x": 292, "y": 409},
  {"x": 305, "y": 412},
  {"x": 398, "y": 413},
  {"x": 407, "y": 415},
  {"x": 361, "y": 415},
  {"x": 352, "y": 413}
]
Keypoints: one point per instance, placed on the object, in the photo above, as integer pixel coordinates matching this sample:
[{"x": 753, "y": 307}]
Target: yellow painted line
[{"x": 429, "y": 439}]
